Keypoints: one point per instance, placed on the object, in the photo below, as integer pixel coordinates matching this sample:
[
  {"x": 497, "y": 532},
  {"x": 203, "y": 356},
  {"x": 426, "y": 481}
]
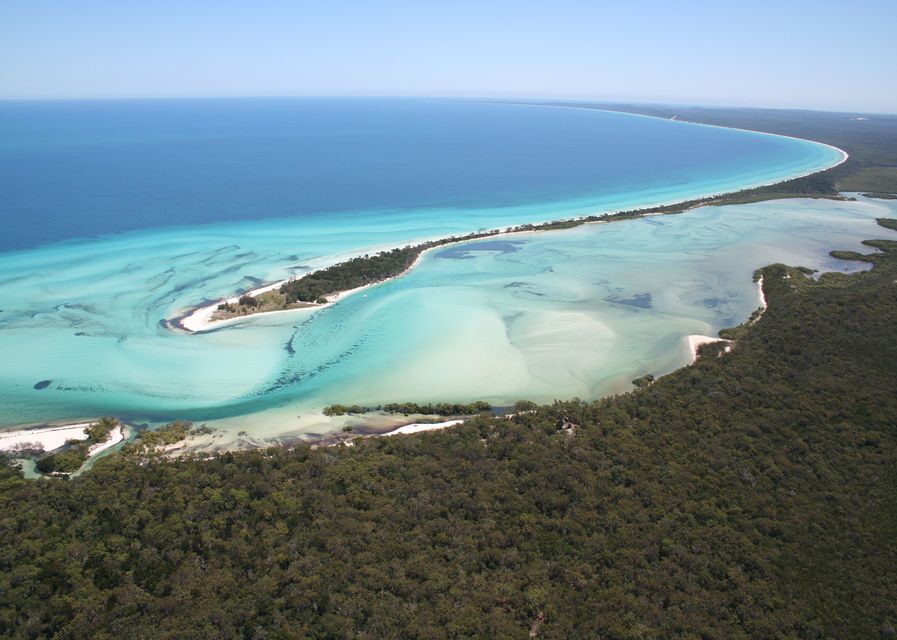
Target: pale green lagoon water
[{"x": 579, "y": 312}]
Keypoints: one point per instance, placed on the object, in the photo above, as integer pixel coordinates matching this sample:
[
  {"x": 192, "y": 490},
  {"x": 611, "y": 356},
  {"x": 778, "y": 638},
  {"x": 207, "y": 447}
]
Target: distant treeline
[
  {"x": 370, "y": 269},
  {"x": 413, "y": 408}
]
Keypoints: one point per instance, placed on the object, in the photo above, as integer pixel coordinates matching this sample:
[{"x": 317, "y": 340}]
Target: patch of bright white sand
[
  {"x": 760, "y": 293},
  {"x": 417, "y": 427},
  {"x": 695, "y": 341},
  {"x": 49, "y": 438}
]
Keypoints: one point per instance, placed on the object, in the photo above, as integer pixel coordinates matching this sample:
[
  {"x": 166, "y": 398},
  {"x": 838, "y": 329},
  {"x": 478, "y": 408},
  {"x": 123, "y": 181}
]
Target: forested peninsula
[
  {"x": 323, "y": 286},
  {"x": 750, "y": 495}
]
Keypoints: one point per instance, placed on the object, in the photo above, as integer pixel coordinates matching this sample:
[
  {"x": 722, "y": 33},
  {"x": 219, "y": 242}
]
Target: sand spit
[
  {"x": 200, "y": 319},
  {"x": 417, "y": 427}
]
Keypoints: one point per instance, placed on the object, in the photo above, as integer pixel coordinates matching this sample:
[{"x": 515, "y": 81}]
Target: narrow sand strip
[
  {"x": 762, "y": 295},
  {"x": 200, "y": 319},
  {"x": 417, "y": 427},
  {"x": 115, "y": 436}
]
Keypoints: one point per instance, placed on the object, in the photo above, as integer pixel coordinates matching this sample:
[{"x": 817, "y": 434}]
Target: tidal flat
[{"x": 541, "y": 316}]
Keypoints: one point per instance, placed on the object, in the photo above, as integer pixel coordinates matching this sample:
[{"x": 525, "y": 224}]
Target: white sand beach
[
  {"x": 47, "y": 437},
  {"x": 115, "y": 436},
  {"x": 696, "y": 340},
  {"x": 760, "y": 293},
  {"x": 417, "y": 427}
]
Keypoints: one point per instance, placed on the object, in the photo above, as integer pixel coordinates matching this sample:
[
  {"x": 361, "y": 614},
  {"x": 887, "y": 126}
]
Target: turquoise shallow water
[
  {"x": 559, "y": 314},
  {"x": 542, "y": 316}
]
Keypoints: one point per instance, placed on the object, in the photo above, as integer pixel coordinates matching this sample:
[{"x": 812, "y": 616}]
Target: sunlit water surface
[{"x": 541, "y": 316}]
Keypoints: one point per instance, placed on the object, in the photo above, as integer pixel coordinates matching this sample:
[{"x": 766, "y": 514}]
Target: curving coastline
[
  {"x": 844, "y": 155},
  {"x": 200, "y": 318}
]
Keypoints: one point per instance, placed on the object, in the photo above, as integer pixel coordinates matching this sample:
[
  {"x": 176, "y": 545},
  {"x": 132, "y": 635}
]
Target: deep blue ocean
[{"x": 88, "y": 168}]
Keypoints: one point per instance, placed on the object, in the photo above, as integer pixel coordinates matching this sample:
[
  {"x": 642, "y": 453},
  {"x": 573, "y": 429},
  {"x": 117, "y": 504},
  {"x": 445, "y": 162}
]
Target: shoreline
[
  {"x": 845, "y": 155},
  {"x": 198, "y": 319},
  {"x": 50, "y": 437},
  {"x": 696, "y": 340},
  {"x": 195, "y": 317}
]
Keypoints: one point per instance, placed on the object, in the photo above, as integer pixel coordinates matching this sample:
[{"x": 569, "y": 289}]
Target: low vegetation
[
  {"x": 151, "y": 441},
  {"x": 357, "y": 272},
  {"x": 261, "y": 303},
  {"x": 341, "y": 410},
  {"x": 438, "y": 408}
]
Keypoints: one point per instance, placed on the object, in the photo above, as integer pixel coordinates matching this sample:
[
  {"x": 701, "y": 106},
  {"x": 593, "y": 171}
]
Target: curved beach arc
[{"x": 199, "y": 319}]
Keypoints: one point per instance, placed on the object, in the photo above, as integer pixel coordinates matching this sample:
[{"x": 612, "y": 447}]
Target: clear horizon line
[{"x": 486, "y": 98}]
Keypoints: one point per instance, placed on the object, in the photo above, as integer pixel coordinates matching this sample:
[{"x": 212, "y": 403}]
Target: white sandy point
[
  {"x": 696, "y": 340},
  {"x": 417, "y": 427}
]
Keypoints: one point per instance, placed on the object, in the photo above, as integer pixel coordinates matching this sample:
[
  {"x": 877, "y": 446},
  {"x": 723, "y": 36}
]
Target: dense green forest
[
  {"x": 351, "y": 274},
  {"x": 751, "y": 495},
  {"x": 412, "y": 408}
]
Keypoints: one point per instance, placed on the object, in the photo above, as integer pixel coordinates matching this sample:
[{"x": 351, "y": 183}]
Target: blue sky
[{"x": 822, "y": 55}]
